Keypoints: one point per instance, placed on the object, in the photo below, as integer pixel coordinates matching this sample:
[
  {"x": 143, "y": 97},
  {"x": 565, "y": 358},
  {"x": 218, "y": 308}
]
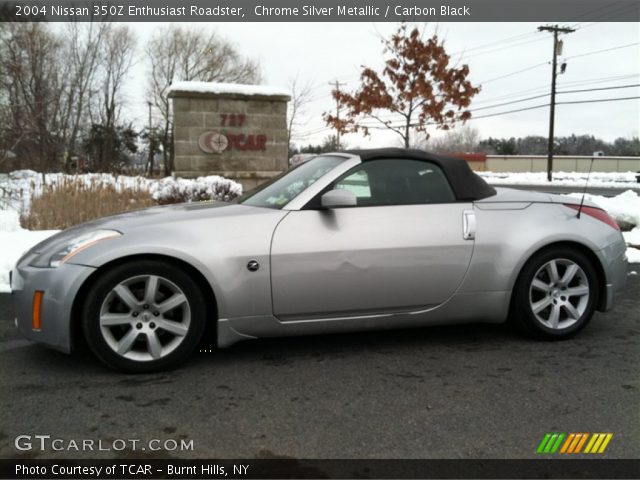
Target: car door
[{"x": 400, "y": 249}]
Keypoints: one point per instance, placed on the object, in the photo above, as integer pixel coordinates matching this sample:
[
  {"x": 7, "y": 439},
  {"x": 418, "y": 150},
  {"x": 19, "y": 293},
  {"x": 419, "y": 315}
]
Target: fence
[{"x": 561, "y": 163}]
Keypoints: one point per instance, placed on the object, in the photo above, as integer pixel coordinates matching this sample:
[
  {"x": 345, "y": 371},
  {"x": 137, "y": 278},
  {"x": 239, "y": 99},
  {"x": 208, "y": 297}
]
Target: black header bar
[{"x": 321, "y": 10}]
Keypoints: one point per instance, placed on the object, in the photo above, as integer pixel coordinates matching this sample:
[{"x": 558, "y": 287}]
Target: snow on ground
[
  {"x": 14, "y": 241},
  {"x": 567, "y": 179}
]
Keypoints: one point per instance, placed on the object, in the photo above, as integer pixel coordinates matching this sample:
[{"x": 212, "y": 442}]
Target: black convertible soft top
[{"x": 464, "y": 181}]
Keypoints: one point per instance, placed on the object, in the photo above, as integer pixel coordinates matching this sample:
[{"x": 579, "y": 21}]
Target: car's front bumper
[{"x": 60, "y": 286}]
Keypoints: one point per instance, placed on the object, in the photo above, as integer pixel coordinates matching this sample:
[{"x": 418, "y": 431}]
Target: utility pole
[
  {"x": 337, "y": 86},
  {"x": 552, "y": 112},
  {"x": 151, "y": 143}
]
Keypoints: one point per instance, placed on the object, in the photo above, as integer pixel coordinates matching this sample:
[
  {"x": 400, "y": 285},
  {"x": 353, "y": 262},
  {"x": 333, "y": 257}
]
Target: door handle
[{"x": 468, "y": 225}]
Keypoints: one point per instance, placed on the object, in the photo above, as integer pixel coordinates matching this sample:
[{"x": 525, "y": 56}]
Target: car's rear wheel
[
  {"x": 556, "y": 294},
  {"x": 144, "y": 317}
]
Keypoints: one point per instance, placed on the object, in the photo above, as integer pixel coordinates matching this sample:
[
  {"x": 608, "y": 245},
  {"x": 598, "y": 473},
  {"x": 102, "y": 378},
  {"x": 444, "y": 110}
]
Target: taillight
[{"x": 596, "y": 213}]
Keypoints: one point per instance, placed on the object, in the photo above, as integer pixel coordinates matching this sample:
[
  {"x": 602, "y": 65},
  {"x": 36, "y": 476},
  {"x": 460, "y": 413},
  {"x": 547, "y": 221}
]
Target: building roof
[{"x": 466, "y": 184}]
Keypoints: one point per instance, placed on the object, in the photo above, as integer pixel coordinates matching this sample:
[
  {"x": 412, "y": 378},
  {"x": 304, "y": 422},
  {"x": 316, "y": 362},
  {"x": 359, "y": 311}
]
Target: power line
[
  {"x": 513, "y": 73},
  {"x": 509, "y": 103},
  {"x": 502, "y": 48},
  {"x": 601, "y": 88},
  {"x": 604, "y": 50},
  {"x": 546, "y": 95},
  {"x": 534, "y": 107},
  {"x": 590, "y": 81},
  {"x": 599, "y": 100},
  {"x": 526, "y": 69},
  {"x": 518, "y": 37}
]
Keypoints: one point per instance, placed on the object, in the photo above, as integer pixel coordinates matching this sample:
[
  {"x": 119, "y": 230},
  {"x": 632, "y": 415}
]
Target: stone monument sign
[{"x": 236, "y": 131}]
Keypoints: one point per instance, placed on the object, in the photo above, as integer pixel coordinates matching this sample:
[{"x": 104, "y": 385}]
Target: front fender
[{"x": 219, "y": 249}]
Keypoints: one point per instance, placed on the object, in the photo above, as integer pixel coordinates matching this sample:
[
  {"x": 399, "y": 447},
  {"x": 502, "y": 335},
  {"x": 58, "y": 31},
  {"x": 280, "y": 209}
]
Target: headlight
[{"x": 72, "y": 247}]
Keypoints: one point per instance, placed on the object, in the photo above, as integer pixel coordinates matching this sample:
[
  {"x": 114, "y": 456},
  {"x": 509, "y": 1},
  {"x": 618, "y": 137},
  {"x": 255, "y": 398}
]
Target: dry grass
[{"x": 74, "y": 201}]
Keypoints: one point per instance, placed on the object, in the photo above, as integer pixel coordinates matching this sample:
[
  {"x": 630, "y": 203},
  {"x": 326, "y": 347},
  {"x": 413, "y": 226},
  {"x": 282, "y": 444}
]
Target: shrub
[
  {"x": 74, "y": 200},
  {"x": 179, "y": 190}
]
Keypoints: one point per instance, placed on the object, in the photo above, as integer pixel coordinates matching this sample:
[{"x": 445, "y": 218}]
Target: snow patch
[
  {"x": 623, "y": 207},
  {"x": 14, "y": 242},
  {"x": 231, "y": 88},
  {"x": 633, "y": 255},
  {"x": 567, "y": 179}
]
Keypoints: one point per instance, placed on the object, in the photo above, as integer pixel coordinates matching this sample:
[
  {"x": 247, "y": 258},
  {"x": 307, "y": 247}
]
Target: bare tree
[
  {"x": 116, "y": 60},
  {"x": 82, "y": 58},
  {"x": 46, "y": 86},
  {"x": 116, "y": 57},
  {"x": 32, "y": 87},
  {"x": 464, "y": 139},
  {"x": 300, "y": 97},
  {"x": 177, "y": 53}
]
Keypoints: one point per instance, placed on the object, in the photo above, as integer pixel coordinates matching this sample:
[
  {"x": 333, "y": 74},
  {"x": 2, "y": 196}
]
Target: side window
[
  {"x": 358, "y": 183},
  {"x": 398, "y": 182}
]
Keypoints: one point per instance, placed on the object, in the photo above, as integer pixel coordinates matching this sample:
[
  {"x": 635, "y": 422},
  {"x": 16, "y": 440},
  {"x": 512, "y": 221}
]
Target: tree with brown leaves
[{"x": 417, "y": 88}]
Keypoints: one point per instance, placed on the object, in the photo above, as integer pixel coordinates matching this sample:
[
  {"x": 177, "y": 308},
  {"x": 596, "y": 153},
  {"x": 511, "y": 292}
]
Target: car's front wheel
[
  {"x": 556, "y": 294},
  {"x": 144, "y": 316}
]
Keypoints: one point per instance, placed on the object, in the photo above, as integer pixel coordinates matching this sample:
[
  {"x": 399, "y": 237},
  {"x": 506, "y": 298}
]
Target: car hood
[{"x": 165, "y": 215}]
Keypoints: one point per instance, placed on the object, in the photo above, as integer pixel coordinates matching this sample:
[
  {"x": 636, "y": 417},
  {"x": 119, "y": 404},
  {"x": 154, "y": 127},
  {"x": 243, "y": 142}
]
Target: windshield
[{"x": 282, "y": 189}]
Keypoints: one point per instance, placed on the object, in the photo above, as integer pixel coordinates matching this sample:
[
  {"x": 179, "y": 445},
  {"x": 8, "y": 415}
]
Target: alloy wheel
[
  {"x": 145, "y": 318},
  {"x": 559, "y": 293}
]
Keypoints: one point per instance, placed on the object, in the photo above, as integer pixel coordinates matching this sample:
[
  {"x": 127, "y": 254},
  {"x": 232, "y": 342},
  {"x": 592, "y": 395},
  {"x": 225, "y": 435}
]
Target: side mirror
[{"x": 339, "y": 198}]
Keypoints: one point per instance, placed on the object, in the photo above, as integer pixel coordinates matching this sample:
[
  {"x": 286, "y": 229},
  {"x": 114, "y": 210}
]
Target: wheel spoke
[
  {"x": 151, "y": 290},
  {"x": 540, "y": 285},
  {"x": 554, "y": 318},
  {"x": 126, "y": 296},
  {"x": 173, "y": 302},
  {"x": 541, "y": 305},
  {"x": 173, "y": 327},
  {"x": 111, "y": 319},
  {"x": 571, "y": 311},
  {"x": 153, "y": 343},
  {"x": 125, "y": 344},
  {"x": 569, "y": 273},
  {"x": 552, "y": 269},
  {"x": 578, "y": 291}
]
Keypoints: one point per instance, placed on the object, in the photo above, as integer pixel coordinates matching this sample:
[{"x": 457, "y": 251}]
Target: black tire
[
  {"x": 525, "y": 296},
  {"x": 191, "y": 312}
]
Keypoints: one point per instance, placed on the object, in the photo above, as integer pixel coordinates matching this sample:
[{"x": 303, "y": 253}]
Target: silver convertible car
[{"x": 360, "y": 240}]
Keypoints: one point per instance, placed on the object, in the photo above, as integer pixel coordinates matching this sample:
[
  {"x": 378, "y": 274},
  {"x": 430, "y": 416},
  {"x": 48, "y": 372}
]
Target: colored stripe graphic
[
  {"x": 598, "y": 442},
  {"x": 550, "y": 443},
  {"x": 543, "y": 443},
  {"x": 573, "y": 443},
  {"x": 583, "y": 439}
]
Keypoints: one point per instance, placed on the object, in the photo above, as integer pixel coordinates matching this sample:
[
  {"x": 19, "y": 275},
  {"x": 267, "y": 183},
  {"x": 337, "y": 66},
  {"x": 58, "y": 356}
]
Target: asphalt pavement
[{"x": 471, "y": 391}]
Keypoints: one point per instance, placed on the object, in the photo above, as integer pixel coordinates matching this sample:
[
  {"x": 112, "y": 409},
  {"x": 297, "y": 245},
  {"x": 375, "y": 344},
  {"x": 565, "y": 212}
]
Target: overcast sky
[{"x": 320, "y": 53}]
